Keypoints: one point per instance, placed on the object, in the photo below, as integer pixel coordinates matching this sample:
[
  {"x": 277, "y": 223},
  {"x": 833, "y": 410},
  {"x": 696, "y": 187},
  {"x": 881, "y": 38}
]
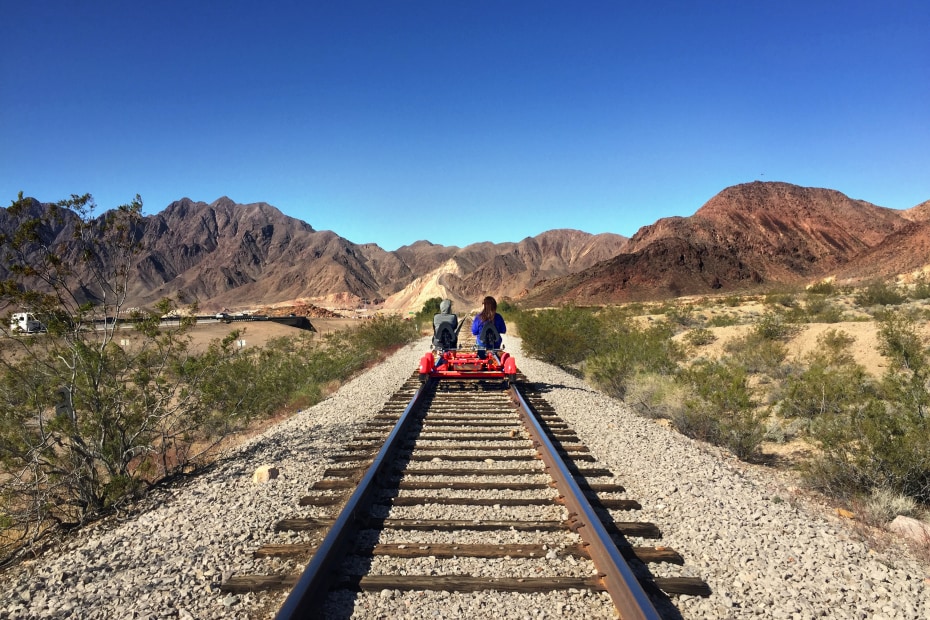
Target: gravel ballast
[{"x": 762, "y": 549}]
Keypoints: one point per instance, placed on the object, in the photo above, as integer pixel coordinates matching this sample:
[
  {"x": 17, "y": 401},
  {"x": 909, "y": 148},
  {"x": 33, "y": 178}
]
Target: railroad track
[{"x": 463, "y": 486}]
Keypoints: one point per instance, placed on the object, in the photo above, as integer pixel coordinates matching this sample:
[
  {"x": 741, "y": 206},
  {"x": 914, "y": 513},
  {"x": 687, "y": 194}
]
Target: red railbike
[{"x": 468, "y": 364}]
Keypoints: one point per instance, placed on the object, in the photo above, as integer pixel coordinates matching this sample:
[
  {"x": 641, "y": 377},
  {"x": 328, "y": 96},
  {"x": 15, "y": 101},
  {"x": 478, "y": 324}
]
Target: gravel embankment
[{"x": 764, "y": 554}]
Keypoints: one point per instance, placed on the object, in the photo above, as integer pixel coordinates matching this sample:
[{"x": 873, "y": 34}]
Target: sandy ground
[
  {"x": 257, "y": 333},
  {"x": 864, "y": 349}
]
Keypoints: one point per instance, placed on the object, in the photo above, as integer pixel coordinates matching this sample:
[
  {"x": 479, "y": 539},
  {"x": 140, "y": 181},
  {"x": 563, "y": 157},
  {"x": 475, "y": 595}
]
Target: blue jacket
[{"x": 477, "y": 324}]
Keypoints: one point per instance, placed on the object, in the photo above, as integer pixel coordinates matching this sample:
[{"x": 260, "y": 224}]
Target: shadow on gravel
[
  {"x": 662, "y": 602},
  {"x": 618, "y": 532},
  {"x": 545, "y": 388}
]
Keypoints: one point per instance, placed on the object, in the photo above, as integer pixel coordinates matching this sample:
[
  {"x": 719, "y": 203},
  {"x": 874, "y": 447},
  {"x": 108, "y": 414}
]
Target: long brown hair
[{"x": 490, "y": 309}]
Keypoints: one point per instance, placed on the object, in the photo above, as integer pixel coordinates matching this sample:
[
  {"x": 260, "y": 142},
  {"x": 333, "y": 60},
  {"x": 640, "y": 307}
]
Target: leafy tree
[{"x": 108, "y": 401}]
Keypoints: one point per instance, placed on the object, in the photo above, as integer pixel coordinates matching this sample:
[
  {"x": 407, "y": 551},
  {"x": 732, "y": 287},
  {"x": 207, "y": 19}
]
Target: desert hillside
[
  {"x": 747, "y": 237},
  {"x": 752, "y": 237}
]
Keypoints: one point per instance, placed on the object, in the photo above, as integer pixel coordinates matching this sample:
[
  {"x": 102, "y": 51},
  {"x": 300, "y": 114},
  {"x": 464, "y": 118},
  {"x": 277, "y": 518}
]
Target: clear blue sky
[{"x": 386, "y": 121}]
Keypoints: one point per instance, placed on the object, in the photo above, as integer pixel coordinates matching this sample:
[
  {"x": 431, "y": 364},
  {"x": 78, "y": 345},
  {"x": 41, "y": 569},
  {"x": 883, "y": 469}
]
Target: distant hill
[
  {"x": 750, "y": 235},
  {"x": 229, "y": 255}
]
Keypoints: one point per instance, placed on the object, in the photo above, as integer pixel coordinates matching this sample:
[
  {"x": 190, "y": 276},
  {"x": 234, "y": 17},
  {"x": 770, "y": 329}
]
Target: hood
[{"x": 445, "y": 306}]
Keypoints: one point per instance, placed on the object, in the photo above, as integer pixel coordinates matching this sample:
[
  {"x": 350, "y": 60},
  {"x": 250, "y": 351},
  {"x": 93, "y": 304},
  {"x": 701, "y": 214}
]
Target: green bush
[
  {"x": 883, "y": 441},
  {"x": 680, "y": 314},
  {"x": 773, "y": 326},
  {"x": 563, "y": 337},
  {"x": 823, "y": 388},
  {"x": 875, "y": 446},
  {"x": 722, "y": 394},
  {"x": 506, "y": 307},
  {"x": 424, "y": 318},
  {"x": 655, "y": 395},
  {"x": 921, "y": 288},
  {"x": 880, "y": 293},
  {"x": 758, "y": 355},
  {"x": 700, "y": 337},
  {"x": 822, "y": 288},
  {"x": 385, "y": 332},
  {"x": 817, "y": 309},
  {"x": 722, "y": 320},
  {"x": 696, "y": 419},
  {"x": 785, "y": 300},
  {"x": 626, "y": 349}
]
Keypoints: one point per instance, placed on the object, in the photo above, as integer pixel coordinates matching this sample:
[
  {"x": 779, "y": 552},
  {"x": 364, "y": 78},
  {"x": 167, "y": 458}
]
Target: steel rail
[
  {"x": 312, "y": 587},
  {"x": 629, "y": 598}
]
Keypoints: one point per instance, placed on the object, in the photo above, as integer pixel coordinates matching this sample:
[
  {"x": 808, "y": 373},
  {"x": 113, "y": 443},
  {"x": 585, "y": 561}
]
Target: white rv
[{"x": 25, "y": 322}]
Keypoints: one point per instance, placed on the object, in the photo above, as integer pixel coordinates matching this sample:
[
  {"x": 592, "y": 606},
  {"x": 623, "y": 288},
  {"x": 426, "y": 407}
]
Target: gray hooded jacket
[{"x": 445, "y": 316}]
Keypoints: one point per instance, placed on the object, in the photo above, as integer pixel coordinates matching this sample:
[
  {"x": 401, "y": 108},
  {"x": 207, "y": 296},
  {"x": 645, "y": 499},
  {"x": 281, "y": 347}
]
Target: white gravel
[{"x": 764, "y": 552}]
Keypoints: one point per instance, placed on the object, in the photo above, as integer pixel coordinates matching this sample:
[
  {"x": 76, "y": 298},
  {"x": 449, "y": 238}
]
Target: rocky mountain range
[
  {"x": 228, "y": 255},
  {"x": 752, "y": 236}
]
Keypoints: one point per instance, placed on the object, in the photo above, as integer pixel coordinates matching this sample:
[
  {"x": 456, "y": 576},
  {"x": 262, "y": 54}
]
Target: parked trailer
[{"x": 26, "y": 323}]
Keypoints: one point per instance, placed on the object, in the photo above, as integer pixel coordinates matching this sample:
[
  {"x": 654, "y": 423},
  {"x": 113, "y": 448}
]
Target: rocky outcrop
[{"x": 750, "y": 235}]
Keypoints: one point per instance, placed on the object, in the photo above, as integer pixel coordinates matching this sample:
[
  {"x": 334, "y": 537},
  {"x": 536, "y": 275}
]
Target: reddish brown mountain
[
  {"x": 227, "y": 255},
  {"x": 906, "y": 250},
  {"x": 747, "y": 235}
]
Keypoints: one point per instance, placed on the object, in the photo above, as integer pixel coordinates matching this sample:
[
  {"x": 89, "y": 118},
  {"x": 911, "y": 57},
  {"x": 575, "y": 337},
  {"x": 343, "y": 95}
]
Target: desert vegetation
[
  {"x": 731, "y": 371},
  {"x": 109, "y": 401}
]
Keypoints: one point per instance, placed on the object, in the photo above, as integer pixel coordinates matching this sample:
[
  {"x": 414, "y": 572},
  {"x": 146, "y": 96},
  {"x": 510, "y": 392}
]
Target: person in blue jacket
[{"x": 489, "y": 314}]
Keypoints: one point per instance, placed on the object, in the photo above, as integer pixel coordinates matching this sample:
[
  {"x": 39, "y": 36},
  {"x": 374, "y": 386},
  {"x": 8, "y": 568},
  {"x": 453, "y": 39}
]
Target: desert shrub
[
  {"x": 680, "y": 314},
  {"x": 875, "y": 446},
  {"x": 920, "y": 288},
  {"x": 635, "y": 308},
  {"x": 564, "y": 336},
  {"x": 782, "y": 431},
  {"x": 906, "y": 383},
  {"x": 506, "y": 306},
  {"x": 829, "y": 383},
  {"x": 823, "y": 388},
  {"x": 775, "y": 431},
  {"x": 883, "y": 505},
  {"x": 757, "y": 355},
  {"x": 654, "y": 395},
  {"x": 385, "y": 332},
  {"x": 700, "y": 337},
  {"x": 722, "y": 320},
  {"x": 626, "y": 349},
  {"x": 773, "y": 326},
  {"x": 879, "y": 293},
  {"x": 424, "y": 318},
  {"x": 835, "y": 344},
  {"x": 817, "y": 309},
  {"x": 785, "y": 300},
  {"x": 882, "y": 442},
  {"x": 822, "y": 288},
  {"x": 721, "y": 391},
  {"x": 697, "y": 419},
  {"x": 900, "y": 342},
  {"x": 86, "y": 422}
]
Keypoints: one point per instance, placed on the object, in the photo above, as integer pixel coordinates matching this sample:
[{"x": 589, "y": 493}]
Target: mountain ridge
[
  {"x": 751, "y": 235},
  {"x": 229, "y": 255}
]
